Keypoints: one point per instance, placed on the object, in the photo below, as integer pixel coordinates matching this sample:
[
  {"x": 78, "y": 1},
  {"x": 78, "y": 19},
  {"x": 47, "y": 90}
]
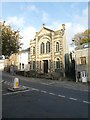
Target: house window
[
  {"x": 57, "y": 46},
  {"x": 58, "y": 64},
  {"x": 33, "y": 50},
  {"x": 82, "y": 60},
  {"x": 42, "y": 48},
  {"x": 22, "y": 66},
  {"x": 34, "y": 66},
  {"x": 47, "y": 47}
]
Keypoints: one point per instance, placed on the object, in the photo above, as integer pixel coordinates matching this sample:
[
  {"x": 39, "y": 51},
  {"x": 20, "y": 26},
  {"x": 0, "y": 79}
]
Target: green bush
[
  {"x": 20, "y": 73},
  {"x": 33, "y": 73},
  {"x": 26, "y": 74}
]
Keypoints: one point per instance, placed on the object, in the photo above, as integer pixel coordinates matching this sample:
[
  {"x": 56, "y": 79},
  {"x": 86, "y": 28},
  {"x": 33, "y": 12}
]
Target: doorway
[{"x": 45, "y": 66}]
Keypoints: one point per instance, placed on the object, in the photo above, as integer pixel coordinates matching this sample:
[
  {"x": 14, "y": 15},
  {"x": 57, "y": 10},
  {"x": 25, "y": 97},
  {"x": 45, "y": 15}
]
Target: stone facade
[
  {"x": 13, "y": 59},
  {"x": 47, "y": 51},
  {"x": 82, "y": 60}
]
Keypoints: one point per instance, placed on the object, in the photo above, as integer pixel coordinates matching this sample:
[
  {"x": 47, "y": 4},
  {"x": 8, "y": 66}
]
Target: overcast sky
[{"x": 28, "y": 17}]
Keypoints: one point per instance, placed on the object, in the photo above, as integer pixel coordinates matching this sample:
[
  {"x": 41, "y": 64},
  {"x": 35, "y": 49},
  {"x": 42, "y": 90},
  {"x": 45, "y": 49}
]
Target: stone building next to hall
[{"x": 48, "y": 50}]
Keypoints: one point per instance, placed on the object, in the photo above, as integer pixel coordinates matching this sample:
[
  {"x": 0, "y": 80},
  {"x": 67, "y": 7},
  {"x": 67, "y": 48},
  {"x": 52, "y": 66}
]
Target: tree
[
  {"x": 81, "y": 38},
  {"x": 86, "y": 36},
  {"x": 10, "y": 40}
]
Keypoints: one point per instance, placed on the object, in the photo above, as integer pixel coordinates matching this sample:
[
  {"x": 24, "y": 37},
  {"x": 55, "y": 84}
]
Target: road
[{"x": 43, "y": 99}]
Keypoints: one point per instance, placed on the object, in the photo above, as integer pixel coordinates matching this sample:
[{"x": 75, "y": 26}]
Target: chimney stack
[{"x": 63, "y": 26}]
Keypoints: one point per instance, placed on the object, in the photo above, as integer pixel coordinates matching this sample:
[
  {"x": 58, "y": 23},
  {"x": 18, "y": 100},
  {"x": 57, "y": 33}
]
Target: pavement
[
  {"x": 75, "y": 85},
  {"x": 65, "y": 83}
]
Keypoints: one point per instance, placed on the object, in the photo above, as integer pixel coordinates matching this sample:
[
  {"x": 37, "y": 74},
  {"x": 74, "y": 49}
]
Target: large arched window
[
  {"x": 42, "y": 48},
  {"x": 57, "y": 46},
  {"x": 47, "y": 47}
]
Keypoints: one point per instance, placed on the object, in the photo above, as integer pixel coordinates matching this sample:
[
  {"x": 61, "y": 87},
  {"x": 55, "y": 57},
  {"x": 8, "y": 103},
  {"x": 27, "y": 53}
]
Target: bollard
[
  {"x": 16, "y": 83},
  {"x": 16, "y": 86}
]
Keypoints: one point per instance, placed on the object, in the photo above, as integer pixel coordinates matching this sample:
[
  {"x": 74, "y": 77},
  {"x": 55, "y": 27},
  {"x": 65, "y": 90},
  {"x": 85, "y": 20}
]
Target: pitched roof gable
[{"x": 44, "y": 30}]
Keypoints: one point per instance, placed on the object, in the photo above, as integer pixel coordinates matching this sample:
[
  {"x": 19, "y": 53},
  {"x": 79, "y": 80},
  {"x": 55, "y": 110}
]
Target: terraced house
[
  {"x": 82, "y": 58},
  {"x": 48, "y": 50}
]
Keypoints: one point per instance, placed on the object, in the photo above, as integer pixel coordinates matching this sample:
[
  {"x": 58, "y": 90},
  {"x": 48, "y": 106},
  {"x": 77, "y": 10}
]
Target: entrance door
[{"x": 45, "y": 66}]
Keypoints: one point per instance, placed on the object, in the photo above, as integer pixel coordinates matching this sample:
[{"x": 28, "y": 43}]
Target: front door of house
[{"x": 45, "y": 65}]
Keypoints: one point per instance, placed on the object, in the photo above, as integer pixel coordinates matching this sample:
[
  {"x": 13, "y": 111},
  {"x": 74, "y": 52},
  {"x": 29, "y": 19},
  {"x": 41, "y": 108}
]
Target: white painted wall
[{"x": 23, "y": 59}]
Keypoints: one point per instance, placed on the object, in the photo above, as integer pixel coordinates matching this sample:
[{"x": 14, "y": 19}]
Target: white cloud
[
  {"x": 71, "y": 30},
  {"x": 74, "y": 29},
  {"x": 68, "y": 25},
  {"x": 79, "y": 25},
  {"x": 55, "y": 25},
  {"x": 15, "y": 21},
  {"x": 28, "y": 34},
  {"x": 30, "y": 8},
  {"x": 85, "y": 12},
  {"x": 45, "y": 17}
]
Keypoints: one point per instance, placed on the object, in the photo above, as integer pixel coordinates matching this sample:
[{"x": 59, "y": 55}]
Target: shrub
[
  {"x": 56, "y": 76},
  {"x": 26, "y": 74},
  {"x": 20, "y": 73},
  {"x": 32, "y": 73}
]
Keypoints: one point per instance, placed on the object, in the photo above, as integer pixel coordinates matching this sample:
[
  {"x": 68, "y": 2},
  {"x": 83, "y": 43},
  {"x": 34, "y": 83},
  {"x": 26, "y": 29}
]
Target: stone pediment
[{"x": 44, "y": 31}]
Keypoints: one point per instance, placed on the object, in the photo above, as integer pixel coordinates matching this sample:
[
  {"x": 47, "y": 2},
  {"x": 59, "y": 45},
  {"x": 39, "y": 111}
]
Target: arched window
[
  {"x": 47, "y": 47},
  {"x": 42, "y": 48},
  {"x": 57, "y": 46}
]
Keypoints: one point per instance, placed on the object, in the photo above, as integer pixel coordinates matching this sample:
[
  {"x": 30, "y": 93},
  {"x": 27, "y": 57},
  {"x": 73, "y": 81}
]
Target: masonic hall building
[{"x": 47, "y": 51}]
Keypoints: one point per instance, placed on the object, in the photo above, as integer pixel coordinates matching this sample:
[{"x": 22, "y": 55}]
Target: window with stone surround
[
  {"x": 42, "y": 47},
  {"x": 33, "y": 50},
  {"x": 47, "y": 47},
  {"x": 22, "y": 65},
  {"x": 57, "y": 46},
  {"x": 83, "y": 60}
]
